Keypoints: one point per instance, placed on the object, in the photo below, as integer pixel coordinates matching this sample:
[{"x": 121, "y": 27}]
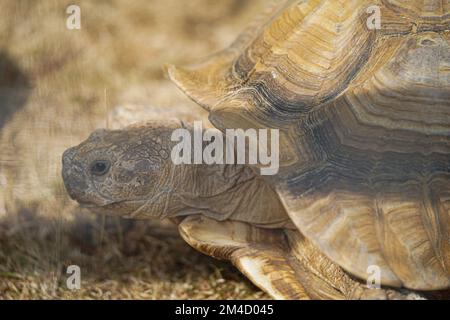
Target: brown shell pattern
[{"x": 364, "y": 119}]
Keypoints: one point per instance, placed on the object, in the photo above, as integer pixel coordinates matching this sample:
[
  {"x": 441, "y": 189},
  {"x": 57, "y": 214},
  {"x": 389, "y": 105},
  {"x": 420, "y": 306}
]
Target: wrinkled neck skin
[{"x": 220, "y": 192}]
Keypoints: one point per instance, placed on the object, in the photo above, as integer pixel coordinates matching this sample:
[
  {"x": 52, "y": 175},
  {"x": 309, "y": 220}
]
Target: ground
[{"x": 56, "y": 86}]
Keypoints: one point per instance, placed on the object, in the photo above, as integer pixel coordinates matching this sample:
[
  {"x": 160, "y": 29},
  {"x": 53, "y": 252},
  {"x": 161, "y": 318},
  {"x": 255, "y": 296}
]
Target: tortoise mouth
[{"x": 114, "y": 208}]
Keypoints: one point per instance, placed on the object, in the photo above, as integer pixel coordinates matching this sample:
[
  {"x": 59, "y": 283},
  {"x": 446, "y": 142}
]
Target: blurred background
[{"x": 56, "y": 86}]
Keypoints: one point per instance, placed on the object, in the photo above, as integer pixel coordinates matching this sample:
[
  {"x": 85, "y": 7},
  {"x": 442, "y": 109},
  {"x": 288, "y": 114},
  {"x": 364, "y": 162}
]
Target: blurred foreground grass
[{"x": 56, "y": 86}]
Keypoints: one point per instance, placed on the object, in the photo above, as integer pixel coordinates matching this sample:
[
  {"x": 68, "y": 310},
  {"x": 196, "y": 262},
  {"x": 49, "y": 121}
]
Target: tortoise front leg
[
  {"x": 258, "y": 253},
  {"x": 279, "y": 261}
]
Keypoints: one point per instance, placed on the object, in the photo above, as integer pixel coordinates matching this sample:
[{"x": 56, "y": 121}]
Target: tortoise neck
[{"x": 223, "y": 192}]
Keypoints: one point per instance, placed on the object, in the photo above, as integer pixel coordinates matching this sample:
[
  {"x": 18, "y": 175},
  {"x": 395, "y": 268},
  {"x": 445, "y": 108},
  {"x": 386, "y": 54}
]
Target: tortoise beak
[{"x": 73, "y": 176}]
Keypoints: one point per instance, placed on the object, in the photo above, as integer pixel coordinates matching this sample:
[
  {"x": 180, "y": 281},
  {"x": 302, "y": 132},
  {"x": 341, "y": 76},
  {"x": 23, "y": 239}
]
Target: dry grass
[
  {"x": 119, "y": 259},
  {"x": 56, "y": 86}
]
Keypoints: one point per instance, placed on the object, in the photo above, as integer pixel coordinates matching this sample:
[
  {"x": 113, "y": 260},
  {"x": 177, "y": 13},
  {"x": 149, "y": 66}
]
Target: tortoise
[{"x": 364, "y": 122}]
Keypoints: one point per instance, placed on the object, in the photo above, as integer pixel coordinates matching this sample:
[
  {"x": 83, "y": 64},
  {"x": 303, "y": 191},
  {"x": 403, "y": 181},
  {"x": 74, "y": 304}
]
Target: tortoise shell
[{"x": 364, "y": 120}]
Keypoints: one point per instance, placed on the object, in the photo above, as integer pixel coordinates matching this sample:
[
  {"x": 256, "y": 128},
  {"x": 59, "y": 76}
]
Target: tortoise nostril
[{"x": 68, "y": 155}]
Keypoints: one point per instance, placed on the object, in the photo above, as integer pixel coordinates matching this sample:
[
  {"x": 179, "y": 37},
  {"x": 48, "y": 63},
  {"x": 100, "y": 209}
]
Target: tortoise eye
[{"x": 100, "y": 167}]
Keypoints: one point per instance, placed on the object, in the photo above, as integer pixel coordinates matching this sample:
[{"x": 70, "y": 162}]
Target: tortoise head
[{"x": 122, "y": 172}]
